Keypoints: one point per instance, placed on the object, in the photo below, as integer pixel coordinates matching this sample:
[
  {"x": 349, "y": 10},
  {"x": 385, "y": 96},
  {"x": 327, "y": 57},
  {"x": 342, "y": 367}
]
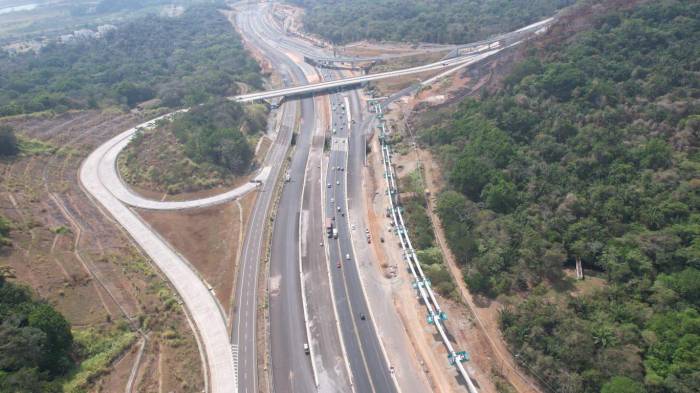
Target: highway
[
  {"x": 244, "y": 314},
  {"x": 298, "y": 213},
  {"x": 370, "y": 369},
  {"x": 291, "y": 367}
]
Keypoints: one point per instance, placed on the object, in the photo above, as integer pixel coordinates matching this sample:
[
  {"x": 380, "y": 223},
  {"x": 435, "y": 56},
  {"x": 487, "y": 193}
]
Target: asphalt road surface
[
  {"x": 370, "y": 369},
  {"x": 291, "y": 366}
]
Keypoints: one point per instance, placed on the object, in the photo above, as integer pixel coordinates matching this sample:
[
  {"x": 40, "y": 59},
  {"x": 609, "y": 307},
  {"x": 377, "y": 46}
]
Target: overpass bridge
[
  {"x": 460, "y": 56},
  {"x": 359, "y": 80},
  {"x": 365, "y": 62}
]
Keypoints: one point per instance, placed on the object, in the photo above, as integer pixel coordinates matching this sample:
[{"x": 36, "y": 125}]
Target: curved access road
[
  {"x": 109, "y": 176},
  {"x": 200, "y": 303}
]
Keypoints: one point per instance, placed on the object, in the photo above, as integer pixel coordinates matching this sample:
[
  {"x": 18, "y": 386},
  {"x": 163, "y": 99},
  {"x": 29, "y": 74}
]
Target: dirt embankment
[
  {"x": 155, "y": 165},
  {"x": 210, "y": 239},
  {"x": 472, "y": 327},
  {"x": 79, "y": 260}
]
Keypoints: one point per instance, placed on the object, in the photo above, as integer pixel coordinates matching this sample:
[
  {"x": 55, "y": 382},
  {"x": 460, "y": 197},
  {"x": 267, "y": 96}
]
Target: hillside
[
  {"x": 180, "y": 61},
  {"x": 209, "y": 146},
  {"x": 443, "y": 21},
  {"x": 588, "y": 152}
]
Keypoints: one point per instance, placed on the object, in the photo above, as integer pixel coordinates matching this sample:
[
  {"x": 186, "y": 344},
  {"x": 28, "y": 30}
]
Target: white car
[
  {"x": 347, "y": 256},
  {"x": 337, "y": 182}
]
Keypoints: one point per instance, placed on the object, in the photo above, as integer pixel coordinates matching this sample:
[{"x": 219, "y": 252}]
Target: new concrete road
[
  {"x": 109, "y": 175},
  {"x": 200, "y": 303}
]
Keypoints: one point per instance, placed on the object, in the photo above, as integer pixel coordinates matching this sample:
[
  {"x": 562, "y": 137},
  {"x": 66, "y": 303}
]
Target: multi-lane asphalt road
[
  {"x": 370, "y": 369},
  {"x": 292, "y": 369},
  {"x": 282, "y": 293}
]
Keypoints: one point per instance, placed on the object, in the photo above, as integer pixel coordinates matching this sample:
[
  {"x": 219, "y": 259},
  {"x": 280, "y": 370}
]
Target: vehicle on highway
[
  {"x": 337, "y": 182},
  {"x": 329, "y": 227},
  {"x": 306, "y": 348},
  {"x": 347, "y": 256},
  {"x": 362, "y": 316},
  {"x": 329, "y": 185}
]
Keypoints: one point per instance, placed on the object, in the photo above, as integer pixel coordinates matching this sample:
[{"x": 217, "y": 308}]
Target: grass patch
[
  {"x": 433, "y": 266},
  {"x": 420, "y": 230},
  {"x": 29, "y": 146},
  {"x": 97, "y": 350},
  {"x": 61, "y": 230}
]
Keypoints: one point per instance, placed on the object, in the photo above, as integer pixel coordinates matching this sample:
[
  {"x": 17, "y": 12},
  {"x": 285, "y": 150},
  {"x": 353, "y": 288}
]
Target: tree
[
  {"x": 20, "y": 347},
  {"x": 59, "y": 338},
  {"x": 594, "y": 136},
  {"x": 456, "y": 223},
  {"x": 501, "y": 196},
  {"x": 4, "y": 232},
  {"x": 622, "y": 384},
  {"x": 133, "y": 93},
  {"x": 35, "y": 342},
  {"x": 470, "y": 175},
  {"x": 8, "y": 141},
  {"x": 236, "y": 152},
  {"x": 656, "y": 154}
]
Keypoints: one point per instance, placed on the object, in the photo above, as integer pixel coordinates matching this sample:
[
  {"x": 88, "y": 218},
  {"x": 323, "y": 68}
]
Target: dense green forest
[
  {"x": 590, "y": 152},
  {"x": 35, "y": 342},
  {"x": 442, "y": 21},
  {"x": 182, "y": 61},
  {"x": 202, "y": 148}
]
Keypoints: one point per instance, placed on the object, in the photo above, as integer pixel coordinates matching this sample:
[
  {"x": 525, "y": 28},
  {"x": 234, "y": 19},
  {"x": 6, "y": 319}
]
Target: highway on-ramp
[{"x": 199, "y": 301}]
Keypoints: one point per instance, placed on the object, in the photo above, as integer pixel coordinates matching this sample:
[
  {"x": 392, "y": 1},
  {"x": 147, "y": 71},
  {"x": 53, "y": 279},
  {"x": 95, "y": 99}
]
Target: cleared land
[
  {"x": 81, "y": 262},
  {"x": 210, "y": 239}
]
